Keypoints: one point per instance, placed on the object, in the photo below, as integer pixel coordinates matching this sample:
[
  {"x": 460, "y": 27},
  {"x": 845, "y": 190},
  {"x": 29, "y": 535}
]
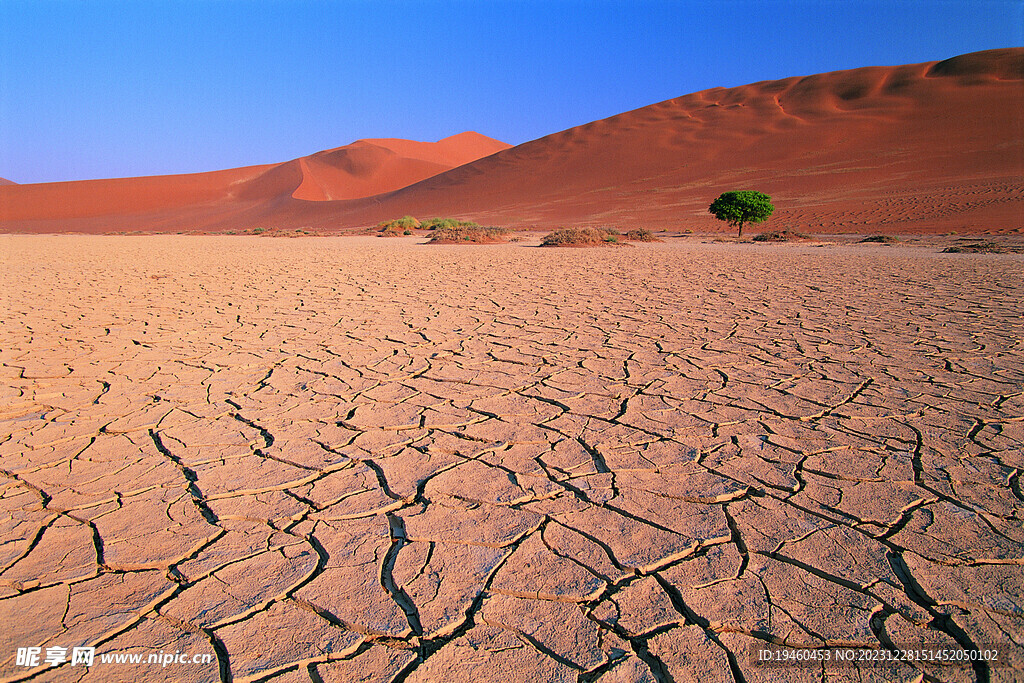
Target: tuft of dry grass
[
  {"x": 781, "y": 236},
  {"x": 982, "y": 248},
  {"x": 881, "y": 239},
  {"x": 641, "y": 235},
  {"x": 463, "y": 234},
  {"x": 581, "y": 237}
]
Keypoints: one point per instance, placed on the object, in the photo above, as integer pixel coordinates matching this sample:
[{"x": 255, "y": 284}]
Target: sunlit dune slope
[
  {"x": 931, "y": 147},
  {"x": 367, "y": 167},
  {"x": 5, "y": 181},
  {"x": 202, "y": 200},
  {"x": 110, "y": 198}
]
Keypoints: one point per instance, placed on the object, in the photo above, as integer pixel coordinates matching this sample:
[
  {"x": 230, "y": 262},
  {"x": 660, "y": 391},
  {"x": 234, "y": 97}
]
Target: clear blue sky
[{"x": 96, "y": 88}]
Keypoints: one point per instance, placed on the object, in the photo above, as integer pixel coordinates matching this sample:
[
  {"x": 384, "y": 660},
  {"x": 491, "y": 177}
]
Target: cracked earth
[{"x": 352, "y": 459}]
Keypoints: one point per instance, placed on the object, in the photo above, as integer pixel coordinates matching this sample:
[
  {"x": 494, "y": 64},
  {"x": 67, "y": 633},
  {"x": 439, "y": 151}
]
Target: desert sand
[
  {"x": 342, "y": 459},
  {"x": 234, "y": 197},
  {"x": 931, "y": 147},
  {"x": 921, "y": 148}
]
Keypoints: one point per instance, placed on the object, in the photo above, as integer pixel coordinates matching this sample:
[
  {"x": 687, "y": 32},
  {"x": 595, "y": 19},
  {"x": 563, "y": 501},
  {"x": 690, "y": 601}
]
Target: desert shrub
[
  {"x": 407, "y": 223},
  {"x": 258, "y": 231},
  {"x": 474, "y": 234},
  {"x": 982, "y": 248},
  {"x": 580, "y": 237},
  {"x": 435, "y": 223},
  {"x": 881, "y": 239},
  {"x": 641, "y": 235},
  {"x": 398, "y": 224},
  {"x": 441, "y": 223},
  {"x": 781, "y": 236}
]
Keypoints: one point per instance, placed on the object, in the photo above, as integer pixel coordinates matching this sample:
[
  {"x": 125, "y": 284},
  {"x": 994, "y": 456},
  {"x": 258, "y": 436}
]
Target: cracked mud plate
[{"x": 355, "y": 460}]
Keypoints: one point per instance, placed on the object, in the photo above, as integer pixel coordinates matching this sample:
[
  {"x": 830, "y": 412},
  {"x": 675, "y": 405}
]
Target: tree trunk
[{"x": 740, "y": 232}]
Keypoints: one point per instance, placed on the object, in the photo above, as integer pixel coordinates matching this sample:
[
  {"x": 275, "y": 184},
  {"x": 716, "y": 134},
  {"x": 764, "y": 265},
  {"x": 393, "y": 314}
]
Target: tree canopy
[{"x": 742, "y": 206}]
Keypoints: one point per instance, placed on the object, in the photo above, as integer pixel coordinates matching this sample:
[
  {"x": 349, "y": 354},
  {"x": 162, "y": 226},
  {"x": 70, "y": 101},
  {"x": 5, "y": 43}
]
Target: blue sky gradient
[{"x": 102, "y": 89}]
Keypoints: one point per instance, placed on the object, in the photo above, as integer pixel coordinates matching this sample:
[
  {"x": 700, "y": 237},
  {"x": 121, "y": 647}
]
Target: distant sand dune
[
  {"x": 227, "y": 198},
  {"x": 919, "y": 148}
]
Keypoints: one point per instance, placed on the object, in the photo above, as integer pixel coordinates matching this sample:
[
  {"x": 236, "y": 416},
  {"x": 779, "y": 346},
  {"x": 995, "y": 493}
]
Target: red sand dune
[
  {"x": 219, "y": 198},
  {"x": 5, "y": 181},
  {"x": 367, "y": 167},
  {"x": 926, "y": 147}
]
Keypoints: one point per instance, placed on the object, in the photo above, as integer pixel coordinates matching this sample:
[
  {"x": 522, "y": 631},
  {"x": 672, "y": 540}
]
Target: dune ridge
[
  {"x": 930, "y": 147},
  {"x": 205, "y": 200},
  {"x": 934, "y": 146}
]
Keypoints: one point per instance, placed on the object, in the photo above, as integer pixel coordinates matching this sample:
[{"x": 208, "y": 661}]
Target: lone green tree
[{"x": 742, "y": 206}]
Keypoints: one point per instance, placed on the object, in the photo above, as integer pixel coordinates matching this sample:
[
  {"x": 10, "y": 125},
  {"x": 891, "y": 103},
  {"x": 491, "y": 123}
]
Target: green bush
[
  {"x": 398, "y": 224},
  {"x": 435, "y": 223},
  {"x": 441, "y": 223},
  {"x": 881, "y": 239}
]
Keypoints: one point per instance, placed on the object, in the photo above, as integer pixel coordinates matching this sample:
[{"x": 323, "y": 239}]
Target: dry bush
[
  {"x": 474, "y": 234},
  {"x": 580, "y": 237},
  {"x": 781, "y": 236},
  {"x": 641, "y": 235},
  {"x": 982, "y": 248}
]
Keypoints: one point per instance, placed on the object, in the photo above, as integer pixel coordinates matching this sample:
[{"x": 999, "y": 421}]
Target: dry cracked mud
[{"x": 348, "y": 459}]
